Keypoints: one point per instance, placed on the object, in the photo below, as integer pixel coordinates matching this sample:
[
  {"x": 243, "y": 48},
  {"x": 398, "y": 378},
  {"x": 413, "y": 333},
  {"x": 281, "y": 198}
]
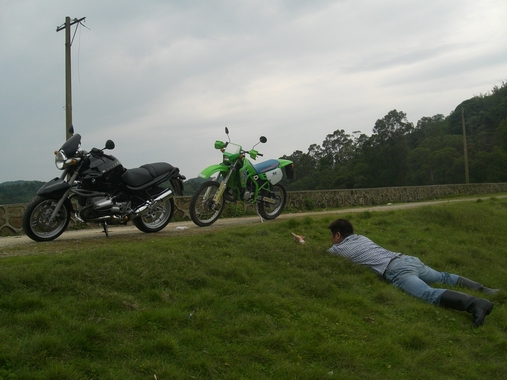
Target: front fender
[
  {"x": 54, "y": 188},
  {"x": 210, "y": 170}
]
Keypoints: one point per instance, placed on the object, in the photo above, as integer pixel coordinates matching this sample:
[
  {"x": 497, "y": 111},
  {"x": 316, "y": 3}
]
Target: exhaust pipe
[{"x": 145, "y": 205}]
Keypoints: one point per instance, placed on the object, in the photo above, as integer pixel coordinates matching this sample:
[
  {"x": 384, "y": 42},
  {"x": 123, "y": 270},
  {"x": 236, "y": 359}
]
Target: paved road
[{"x": 190, "y": 228}]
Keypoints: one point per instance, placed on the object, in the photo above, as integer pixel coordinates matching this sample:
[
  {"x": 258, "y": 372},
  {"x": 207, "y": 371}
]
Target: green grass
[{"x": 249, "y": 303}]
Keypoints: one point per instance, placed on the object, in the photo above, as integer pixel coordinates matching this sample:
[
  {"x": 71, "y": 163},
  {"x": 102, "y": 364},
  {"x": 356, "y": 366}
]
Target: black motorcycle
[{"x": 97, "y": 188}]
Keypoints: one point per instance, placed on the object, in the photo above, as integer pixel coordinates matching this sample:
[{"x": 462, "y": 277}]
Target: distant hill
[
  {"x": 20, "y": 182},
  {"x": 18, "y": 191}
]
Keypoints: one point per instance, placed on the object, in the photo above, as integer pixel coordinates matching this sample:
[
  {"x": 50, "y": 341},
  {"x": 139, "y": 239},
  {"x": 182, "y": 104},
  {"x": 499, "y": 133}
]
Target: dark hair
[{"x": 343, "y": 226}]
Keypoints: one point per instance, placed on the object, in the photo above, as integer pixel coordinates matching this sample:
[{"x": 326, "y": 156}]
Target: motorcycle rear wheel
[
  {"x": 273, "y": 210},
  {"x": 203, "y": 211},
  {"x": 156, "y": 217},
  {"x": 35, "y": 220}
]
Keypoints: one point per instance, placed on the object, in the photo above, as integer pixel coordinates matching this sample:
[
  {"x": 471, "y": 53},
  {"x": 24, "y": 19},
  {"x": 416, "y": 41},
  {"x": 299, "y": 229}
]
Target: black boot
[
  {"x": 478, "y": 307},
  {"x": 467, "y": 283}
]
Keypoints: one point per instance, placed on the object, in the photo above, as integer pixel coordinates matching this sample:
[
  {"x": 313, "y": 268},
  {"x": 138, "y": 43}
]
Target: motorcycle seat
[
  {"x": 158, "y": 168},
  {"x": 266, "y": 166},
  {"x": 138, "y": 177}
]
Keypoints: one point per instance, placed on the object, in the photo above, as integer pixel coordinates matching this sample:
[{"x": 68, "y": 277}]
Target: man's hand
[{"x": 298, "y": 238}]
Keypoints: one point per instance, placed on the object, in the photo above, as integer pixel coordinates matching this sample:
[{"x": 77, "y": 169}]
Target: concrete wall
[{"x": 10, "y": 215}]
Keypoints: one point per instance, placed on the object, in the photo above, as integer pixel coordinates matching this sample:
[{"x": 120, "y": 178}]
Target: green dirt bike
[{"x": 237, "y": 178}]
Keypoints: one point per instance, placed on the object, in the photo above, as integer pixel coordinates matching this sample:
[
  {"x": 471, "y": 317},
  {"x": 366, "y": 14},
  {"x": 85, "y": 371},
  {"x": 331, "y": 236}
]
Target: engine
[
  {"x": 100, "y": 208},
  {"x": 248, "y": 192}
]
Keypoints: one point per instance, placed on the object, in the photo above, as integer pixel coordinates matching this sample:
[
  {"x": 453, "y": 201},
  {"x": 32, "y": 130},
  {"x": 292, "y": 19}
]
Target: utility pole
[
  {"x": 465, "y": 147},
  {"x": 68, "y": 77}
]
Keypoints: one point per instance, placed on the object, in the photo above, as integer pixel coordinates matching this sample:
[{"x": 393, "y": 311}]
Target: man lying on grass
[{"x": 408, "y": 272}]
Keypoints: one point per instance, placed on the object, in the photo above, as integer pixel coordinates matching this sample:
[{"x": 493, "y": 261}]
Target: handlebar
[{"x": 248, "y": 152}]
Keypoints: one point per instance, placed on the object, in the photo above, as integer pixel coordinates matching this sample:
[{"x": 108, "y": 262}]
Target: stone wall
[
  {"x": 10, "y": 215},
  {"x": 379, "y": 196},
  {"x": 10, "y": 219}
]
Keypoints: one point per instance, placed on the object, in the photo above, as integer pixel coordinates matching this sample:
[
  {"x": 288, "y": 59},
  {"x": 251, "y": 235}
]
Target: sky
[{"x": 163, "y": 78}]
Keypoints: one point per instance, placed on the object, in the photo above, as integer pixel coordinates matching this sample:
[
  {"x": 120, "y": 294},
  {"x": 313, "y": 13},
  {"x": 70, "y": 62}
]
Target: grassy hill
[{"x": 249, "y": 303}]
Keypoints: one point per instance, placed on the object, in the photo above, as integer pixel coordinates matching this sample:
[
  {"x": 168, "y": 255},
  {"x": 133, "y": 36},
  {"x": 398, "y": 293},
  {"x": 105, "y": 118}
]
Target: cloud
[{"x": 163, "y": 78}]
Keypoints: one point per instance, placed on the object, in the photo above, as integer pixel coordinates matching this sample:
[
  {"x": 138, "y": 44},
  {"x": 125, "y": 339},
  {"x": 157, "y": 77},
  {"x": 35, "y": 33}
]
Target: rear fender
[
  {"x": 284, "y": 163},
  {"x": 288, "y": 167}
]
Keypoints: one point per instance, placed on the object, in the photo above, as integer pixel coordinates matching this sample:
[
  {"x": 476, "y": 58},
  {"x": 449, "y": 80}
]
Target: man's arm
[{"x": 298, "y": 238}]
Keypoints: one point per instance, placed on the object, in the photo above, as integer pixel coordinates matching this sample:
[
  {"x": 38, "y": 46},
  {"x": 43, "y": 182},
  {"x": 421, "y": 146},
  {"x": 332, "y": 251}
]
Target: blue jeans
[{"x": 411, "y": 275}]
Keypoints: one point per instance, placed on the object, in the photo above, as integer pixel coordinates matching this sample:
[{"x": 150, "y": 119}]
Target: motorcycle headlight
[
  {"x": 60, "y": 160},
  {"x": 226, "y": 160}
]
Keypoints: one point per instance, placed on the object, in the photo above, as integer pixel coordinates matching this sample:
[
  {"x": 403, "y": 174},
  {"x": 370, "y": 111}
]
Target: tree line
[{"x": 399, "y": 153}]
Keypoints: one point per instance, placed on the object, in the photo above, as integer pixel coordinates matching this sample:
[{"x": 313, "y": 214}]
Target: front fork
[
  {"x": 223, "y": 184},
  {"x": 64, "y": 196}
]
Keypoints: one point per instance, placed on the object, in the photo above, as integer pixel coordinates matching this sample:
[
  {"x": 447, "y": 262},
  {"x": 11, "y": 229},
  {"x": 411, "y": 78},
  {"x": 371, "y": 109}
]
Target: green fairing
[
  {"x": 210, "y": 170},
  {"x": 245, "y": 172}
]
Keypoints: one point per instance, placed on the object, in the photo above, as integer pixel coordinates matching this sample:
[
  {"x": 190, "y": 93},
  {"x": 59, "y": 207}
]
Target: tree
[
  {"x": 501, "y": 133},
  {"x": 393, "y": 126},
  {"x": 421, "y": 171},
  {"x": 390, "y": 149},
  {"x": 427, "y": 127},
  {"x": 448, "y": 166},
  {"x": 489, "y": 166},
  {"x": 337, "y": 148}
]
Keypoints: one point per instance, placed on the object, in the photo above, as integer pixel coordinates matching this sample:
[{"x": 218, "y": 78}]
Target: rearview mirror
[{"x": 109, "y": 144}]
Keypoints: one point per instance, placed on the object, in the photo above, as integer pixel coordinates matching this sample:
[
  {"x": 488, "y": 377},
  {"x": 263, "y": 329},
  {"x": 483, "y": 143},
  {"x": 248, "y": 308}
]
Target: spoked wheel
[
  {"x": 271, "y": 210},
  {"x": 36, "y": 219},
  {"x": 203, "y": 210},
  {"x": 155, "y": 218}
]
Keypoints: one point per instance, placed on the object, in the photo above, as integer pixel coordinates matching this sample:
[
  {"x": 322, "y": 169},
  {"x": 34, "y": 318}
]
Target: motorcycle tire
[
  {"x": 35, "y": 219},
  {"x": 156, "y": 217},
  {"x": 272, "y": 210},
  {"x": 203, "y": 211}
]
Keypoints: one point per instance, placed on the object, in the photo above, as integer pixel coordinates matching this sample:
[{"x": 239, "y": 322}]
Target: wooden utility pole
[
  {"x": 68, "y": 77},
  {"x": 465, "y": 147}
]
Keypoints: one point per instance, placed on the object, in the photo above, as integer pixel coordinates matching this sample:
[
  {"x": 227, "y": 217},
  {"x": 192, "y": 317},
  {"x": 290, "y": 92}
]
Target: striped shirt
[{"x": 361, "y": 250}]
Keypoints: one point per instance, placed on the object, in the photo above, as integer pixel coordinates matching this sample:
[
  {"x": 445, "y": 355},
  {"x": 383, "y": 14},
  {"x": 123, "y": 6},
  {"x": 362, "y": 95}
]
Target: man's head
[{"x": 340, "y": 229}]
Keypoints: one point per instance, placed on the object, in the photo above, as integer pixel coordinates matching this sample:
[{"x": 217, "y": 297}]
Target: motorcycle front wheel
[
  {"x": 156, "y": 217},
  {"x": 271, "y": 210},
  {"x": 36, "y": 223},
  {"x": 203, "y": 210}
]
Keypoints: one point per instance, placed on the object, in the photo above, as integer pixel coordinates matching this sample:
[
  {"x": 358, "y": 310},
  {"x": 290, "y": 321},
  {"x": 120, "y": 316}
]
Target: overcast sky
[{"x": 162, "y": 78}]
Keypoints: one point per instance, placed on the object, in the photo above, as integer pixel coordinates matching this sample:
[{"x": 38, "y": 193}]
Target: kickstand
[
  {"x": 104, "y": 225},
  {"x": 258, "y": 213}
]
